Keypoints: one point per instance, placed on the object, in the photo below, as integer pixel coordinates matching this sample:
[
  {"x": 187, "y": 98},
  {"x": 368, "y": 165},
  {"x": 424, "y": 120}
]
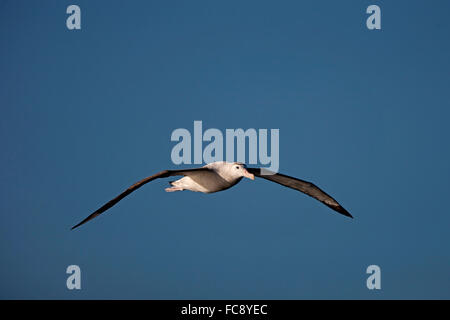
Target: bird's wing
[
  {"x": 303, "y": 186},
  {"x": 137, "y": 185}
]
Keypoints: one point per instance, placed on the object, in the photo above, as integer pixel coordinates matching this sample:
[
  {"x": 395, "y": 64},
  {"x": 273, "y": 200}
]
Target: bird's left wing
[
  {"x": 303, "y": 186},
  {"x": 137, "y": 185}
]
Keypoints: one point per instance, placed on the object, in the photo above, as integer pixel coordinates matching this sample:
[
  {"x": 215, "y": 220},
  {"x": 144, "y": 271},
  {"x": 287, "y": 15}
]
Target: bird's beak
[{"x": 249, "y": 175}]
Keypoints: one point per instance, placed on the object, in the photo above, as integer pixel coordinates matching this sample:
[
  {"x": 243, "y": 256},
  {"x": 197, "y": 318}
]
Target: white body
[{"x": 221, "y": 176}]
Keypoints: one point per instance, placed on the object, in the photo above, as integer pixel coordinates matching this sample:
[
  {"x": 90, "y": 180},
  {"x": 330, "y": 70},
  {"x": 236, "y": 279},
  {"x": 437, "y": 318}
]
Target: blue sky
[{"x": 363, "y": 114}]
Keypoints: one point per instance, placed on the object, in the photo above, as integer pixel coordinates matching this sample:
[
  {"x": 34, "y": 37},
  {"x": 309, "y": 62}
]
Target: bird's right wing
[{"x": 134, "y": 187}]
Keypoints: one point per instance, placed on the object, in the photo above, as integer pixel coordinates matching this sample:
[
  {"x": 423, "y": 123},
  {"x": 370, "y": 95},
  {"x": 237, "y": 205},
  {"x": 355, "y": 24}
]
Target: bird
[{"x": 219, "y": 176}]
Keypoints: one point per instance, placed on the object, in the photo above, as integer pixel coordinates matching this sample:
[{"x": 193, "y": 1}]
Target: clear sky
[{"x": 363, "y": 114}]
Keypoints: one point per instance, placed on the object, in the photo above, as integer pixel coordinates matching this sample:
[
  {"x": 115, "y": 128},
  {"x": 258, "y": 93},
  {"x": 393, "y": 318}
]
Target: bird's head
[{"x": 238, "y": 170}]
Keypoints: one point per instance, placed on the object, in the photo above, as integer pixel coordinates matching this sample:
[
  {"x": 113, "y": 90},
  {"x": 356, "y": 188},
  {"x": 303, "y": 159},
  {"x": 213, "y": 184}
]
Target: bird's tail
[{"x": 174, "y": 187}]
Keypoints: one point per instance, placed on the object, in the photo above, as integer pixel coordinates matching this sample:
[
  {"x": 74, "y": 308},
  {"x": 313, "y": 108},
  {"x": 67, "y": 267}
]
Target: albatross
[{"x": 219, "y": 176}]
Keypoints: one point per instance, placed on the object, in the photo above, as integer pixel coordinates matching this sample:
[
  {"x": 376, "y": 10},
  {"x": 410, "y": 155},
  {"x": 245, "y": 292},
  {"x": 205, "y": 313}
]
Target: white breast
[{"x": 204, "y": 181}]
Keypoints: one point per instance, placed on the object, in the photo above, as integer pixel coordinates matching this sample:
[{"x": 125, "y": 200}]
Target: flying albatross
[{"x": 219, "y": 176}]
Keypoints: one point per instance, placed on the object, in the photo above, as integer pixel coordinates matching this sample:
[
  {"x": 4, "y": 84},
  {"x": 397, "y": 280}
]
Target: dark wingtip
[
  {"x": 92, "y": 216},
  {"x": 341, "y": 210},
  {"x": 75, "y": 226},
  {"x": 344, "y": 212},
  {"x": 349, "y": 215},
  {"x": 82, "y": 222}
]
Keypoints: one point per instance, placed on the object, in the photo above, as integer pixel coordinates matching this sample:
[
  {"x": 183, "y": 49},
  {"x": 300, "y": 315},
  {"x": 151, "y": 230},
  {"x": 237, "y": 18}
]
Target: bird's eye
[{"x": 237, "y": 167}]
